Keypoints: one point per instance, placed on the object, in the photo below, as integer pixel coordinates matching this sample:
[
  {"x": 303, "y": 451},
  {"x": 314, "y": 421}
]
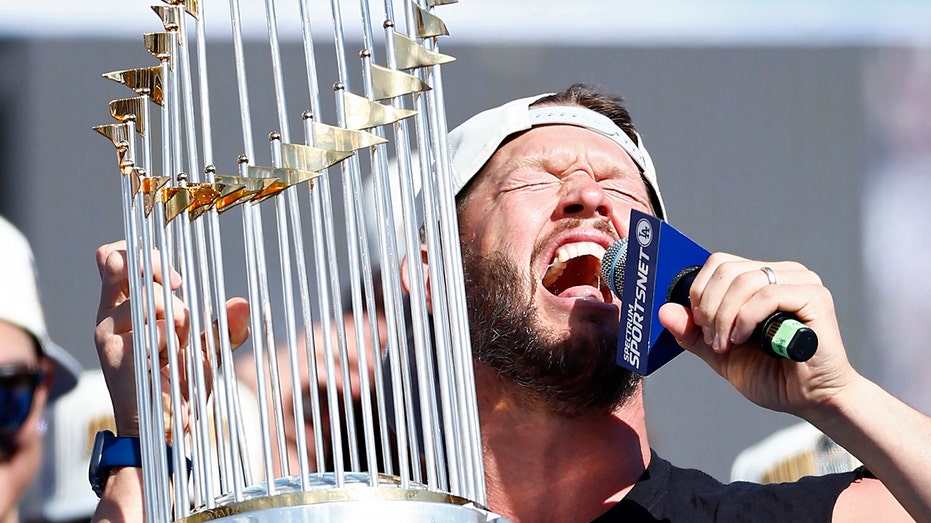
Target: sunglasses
[{"x": 17, "y": 390}]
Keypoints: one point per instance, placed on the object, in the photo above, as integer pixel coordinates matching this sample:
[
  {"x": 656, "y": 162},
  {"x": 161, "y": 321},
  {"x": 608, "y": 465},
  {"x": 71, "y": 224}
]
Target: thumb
[{"x": 677, "y": 319}]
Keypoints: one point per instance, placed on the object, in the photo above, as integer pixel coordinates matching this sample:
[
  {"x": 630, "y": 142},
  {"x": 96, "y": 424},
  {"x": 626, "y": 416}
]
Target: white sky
[{"x": 830, "y": 22}]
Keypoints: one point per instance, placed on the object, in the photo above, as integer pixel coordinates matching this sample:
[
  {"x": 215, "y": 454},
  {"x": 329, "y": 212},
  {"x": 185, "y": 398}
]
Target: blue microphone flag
[{"x": 656, "y": 254}]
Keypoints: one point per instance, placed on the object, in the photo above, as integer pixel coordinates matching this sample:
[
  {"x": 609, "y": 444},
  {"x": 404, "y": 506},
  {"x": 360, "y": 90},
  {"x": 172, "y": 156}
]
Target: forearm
[
  {"x": 892, "y": 440},
  {"x": 122, "y": 499}
]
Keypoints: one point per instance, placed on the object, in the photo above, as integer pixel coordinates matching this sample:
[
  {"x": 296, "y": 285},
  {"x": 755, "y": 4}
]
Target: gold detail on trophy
[
  {"x": 135, "y": 182},
  {"x": 203, "y": 196},
  {"x": 340, "y": 139},
  {"x": 130, "y": 109},
  {"x": 307, "y": 158},
  {"x": 145, "y": 81},
  {"x": 149, "y": 185},
  {"x": 189, "y": 5},
  {"x": 176, "y": 200},
  {"x": 282, "y": 175},
  {"x": 158, "y": 45},
  {"x": 410, "y": 55},
  {"x": 387, "y": 493},
  {"x": 270, "y": 187},
  {"x": 362, "y": 113},
  {"x": 428, "y": 24},
  {"x": 233, "y": 191},
  {"x": 119, "y": 135},
  {"x": 171, "y": 19},
  {"x": 390, "y": 83}
]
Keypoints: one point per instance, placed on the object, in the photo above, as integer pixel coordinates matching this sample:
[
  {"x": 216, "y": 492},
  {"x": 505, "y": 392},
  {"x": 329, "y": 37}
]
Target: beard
[{"x": 565, "y": 375}]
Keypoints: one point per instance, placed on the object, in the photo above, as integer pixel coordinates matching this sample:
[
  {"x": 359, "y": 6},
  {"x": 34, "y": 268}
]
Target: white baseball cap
[
  {"x": 20, "y": 305},
  {"x": 473, "y": 143}
]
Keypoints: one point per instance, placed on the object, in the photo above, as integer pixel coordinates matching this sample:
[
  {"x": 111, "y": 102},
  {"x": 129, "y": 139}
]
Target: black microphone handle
[{"x": 781, "y": 335}]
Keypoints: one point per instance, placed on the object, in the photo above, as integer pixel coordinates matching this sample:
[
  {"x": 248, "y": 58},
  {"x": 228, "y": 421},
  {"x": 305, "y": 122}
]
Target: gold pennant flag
[
  {"x": 176, "y": 200},
  {"x": 119, "y": 135},
  {"x": 307, "y": 158},
  {"x": 235, "y": 190},
  {"x": 428, "y": 24},
  {"x": 171, "y": 19},
  {"x": 135, "y": 180},
  {"x": 390, "y": 83},
  {"x": 409, "y": 54},
  {"x": 362, "y": 113},
  {"x": 285, "y": 176},
  {"x": 274, "y": 187},
  {"x": 203, "y": 196},
  {"x": 145, "y": 81},
  {"x": 341, "y": 139},
  {"x": 159, "y": 45},
  {"x": 149, "y": 185},
  {"x": 232, "y": 193},
  {"x": 130, "y": 109},
  {"x": 190, "y": 6}
]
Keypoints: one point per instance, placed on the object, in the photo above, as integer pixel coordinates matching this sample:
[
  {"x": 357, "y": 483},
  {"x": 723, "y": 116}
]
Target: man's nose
[{"x": 583, "y": 197}]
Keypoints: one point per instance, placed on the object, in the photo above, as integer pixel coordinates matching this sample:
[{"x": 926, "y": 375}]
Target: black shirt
[{"x": 668, "y": 493}]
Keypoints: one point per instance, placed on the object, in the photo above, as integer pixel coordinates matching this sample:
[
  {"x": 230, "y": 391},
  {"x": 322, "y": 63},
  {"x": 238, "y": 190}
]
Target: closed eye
[
  {"x": 622, "y": 191},
  {"x": 620, "y": 194},
  {"x": 532, "y": 182}
]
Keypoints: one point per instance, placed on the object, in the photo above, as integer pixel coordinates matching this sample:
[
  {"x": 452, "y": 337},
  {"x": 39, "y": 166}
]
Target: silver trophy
[{"x": 393, "y": 436}]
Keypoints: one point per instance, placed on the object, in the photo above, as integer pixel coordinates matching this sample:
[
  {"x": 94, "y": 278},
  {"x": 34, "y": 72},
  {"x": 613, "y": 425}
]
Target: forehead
[
  {"x": 16, "y": 345},
  {"x": 556, "y": 147}
]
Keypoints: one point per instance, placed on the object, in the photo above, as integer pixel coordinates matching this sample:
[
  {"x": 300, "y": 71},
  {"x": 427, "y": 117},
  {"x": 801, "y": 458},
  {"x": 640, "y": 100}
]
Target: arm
[
  {"x": 122, "y": 495},
  {"x": 730, "y": 296}
]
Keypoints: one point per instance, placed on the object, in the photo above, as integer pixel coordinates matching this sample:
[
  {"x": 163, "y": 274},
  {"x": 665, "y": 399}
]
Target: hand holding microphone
[
  {"x": 781, "y": 334},
  {"x": 658, "y": 265}
]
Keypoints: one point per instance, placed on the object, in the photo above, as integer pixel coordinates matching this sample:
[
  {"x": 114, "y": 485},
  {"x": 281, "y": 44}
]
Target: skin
[
  {"x": 18, "y": 471},
  {"x": 568, "y": 184}
]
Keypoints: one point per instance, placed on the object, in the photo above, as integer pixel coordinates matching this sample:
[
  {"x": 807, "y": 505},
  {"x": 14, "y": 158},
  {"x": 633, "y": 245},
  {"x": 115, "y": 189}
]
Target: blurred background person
[{"x": 33, "y": 372}]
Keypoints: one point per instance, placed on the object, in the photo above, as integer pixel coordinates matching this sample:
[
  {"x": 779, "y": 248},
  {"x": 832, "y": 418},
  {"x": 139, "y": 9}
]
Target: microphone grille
[{"x": 612, "y": 266}]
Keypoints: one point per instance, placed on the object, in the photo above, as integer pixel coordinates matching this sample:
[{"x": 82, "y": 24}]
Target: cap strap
[{"x": 591, "y": 120}]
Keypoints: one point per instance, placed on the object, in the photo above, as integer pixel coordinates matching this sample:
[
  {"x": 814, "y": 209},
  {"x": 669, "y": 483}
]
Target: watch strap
[
  {"x": 121, "y": 451},
  {"x": 112, "y": 451}
]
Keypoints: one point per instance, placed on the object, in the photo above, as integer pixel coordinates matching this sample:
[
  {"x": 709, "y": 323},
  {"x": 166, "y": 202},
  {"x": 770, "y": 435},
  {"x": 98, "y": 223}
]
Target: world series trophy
[{"x": 393, "y": 436}]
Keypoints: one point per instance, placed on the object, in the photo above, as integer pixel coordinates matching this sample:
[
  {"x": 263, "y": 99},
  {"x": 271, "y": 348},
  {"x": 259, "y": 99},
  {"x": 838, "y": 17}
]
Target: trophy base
[{"x": 357, "y": 500}]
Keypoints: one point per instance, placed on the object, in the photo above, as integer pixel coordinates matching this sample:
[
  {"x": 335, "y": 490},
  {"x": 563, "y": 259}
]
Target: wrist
[
  {"x": 839, "y": 403},
  {"x": 127, "y": 426}
]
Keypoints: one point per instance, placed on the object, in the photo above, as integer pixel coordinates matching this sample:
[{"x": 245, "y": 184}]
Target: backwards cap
[
  {"x": 474, "y": 142},
  {"x": 20, "y": 306}
]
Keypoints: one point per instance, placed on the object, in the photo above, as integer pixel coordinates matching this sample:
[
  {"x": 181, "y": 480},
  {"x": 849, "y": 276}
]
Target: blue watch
[{"x": 111, "y": 451}]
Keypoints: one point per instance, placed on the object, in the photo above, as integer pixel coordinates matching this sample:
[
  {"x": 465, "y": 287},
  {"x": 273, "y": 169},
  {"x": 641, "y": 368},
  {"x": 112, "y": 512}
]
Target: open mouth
[{"x": 575, "y": 272}]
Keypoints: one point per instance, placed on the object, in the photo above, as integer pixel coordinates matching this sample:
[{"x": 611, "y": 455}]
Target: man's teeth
[{"x": 568, "y": 252}]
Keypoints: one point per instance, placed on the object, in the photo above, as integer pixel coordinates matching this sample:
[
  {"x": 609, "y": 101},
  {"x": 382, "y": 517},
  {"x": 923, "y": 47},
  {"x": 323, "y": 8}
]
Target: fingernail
[
  {"x": 716, "y": 344},
  {"x": 709, "y": 335}
]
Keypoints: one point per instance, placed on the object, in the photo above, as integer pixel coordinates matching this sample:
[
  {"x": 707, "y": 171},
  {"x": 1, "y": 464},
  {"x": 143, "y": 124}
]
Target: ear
[{"x": 425, "y": 270}]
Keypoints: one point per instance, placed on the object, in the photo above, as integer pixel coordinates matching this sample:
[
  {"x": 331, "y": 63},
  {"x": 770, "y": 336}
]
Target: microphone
[{"x": 779, "y": 335}]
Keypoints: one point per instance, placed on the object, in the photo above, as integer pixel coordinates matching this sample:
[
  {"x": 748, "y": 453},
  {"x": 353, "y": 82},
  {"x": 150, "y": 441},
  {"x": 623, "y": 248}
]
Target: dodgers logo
[{"x": 644, "y": 232}]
